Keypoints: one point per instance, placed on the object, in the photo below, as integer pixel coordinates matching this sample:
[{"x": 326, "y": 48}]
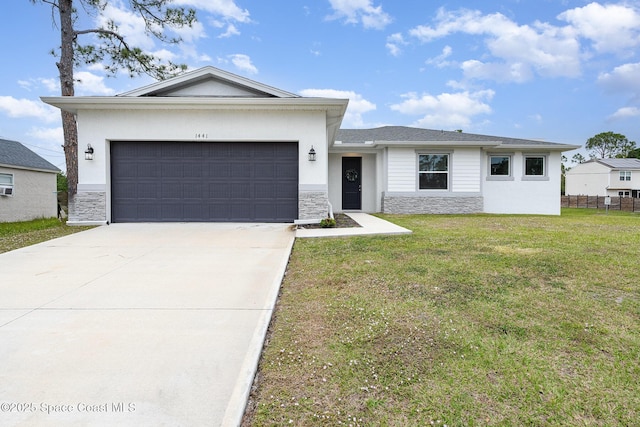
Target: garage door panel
[
  {"x": 265, "y": 170},
  {"x": 219, "y": 170},
  {"x": 264, "y": 191},
  {"x": 191, "y": 181}
]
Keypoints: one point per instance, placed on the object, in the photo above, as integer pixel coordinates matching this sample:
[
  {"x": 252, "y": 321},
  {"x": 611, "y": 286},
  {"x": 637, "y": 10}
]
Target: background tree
[
  {"x": 608, "y": 144},
  {"x": 578, "y": 158},
  {"x": 635, "y": 153},
  {"x": 111, "y": 49}
]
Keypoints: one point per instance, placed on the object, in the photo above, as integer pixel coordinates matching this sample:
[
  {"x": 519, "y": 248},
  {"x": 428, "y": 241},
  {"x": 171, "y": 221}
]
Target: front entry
[{"x": 352, "y": 183}]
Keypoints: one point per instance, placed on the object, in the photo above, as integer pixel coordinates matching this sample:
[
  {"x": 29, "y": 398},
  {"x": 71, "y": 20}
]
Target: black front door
[{"x": 352, "y": 183}]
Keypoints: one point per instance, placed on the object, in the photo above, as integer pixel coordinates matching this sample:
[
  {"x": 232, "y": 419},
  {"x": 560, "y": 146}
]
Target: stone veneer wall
[
  {"x": 88, "y": 206},
  {"x": 313, "y": 205},
  {"x": 418, "y": 204}
]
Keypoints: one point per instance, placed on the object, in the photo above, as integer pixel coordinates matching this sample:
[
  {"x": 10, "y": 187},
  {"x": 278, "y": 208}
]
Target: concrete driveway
[{"x": 137, "y": 324}]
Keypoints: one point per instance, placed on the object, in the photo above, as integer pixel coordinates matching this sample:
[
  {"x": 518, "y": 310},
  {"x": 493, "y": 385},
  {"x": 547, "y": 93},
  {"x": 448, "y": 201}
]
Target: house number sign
[{"x": 202, "y": 135}]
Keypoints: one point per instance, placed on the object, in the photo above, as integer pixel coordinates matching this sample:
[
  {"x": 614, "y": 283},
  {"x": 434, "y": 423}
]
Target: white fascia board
[
  {"x": 439, "y": 144},
  {"x": 75, "y": 104},
  {"x": 540, "y": 147},
  {"x": 26, "y": 168}
]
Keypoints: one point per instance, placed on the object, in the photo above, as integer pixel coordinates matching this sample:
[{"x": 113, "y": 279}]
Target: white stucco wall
[
  {"x": 100, "y": 127},
  {"x": 521, "y": 195},
  {"x": 34, "y": 196},
  {"x": 589, "y": 179}
]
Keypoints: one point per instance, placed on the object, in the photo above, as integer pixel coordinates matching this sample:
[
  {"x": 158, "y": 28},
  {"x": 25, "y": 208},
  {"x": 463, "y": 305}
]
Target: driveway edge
[{"x": 240, "y": 396}]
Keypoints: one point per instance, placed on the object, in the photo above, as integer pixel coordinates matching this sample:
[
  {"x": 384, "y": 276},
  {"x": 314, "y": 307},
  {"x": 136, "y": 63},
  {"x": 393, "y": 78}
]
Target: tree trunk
[{"x": 65, "y": 68}]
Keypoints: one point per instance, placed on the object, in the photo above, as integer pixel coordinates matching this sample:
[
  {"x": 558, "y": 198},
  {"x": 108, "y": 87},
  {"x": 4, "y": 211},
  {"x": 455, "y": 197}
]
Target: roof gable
[
  {"x": 209, "y": 82},
  {"x": 14, "y": 154}
]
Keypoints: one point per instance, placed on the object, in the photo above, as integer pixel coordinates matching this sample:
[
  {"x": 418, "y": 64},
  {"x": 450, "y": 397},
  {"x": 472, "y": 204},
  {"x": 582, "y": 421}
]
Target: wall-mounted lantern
[
  {"x": 88, "y": 153},
  {"x": 312, "y": 154}
]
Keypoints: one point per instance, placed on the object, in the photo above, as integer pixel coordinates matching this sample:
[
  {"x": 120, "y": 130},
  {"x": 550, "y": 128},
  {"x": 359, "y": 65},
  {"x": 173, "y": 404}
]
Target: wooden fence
[{"x": 597, "y": 202}]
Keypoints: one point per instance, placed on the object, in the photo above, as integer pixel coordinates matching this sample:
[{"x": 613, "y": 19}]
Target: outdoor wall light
[
  {"x": 88, "y": 153},
  {"x": 312, "y": 154}
]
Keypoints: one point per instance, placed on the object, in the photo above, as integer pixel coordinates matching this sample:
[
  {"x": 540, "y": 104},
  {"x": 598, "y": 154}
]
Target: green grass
[
  {"x": 15, "y": 235},
  {"x": 472, "y": 320}
]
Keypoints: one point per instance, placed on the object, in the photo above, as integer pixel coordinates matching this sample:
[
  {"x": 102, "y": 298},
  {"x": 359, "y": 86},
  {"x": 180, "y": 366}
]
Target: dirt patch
[{"x": 342, "y": 221}]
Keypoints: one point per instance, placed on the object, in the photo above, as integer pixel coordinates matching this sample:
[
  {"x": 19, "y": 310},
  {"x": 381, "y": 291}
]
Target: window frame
[
  {"x": 10, "y": 184},
  {"x": 625, "y": 175},
  {"x": 448, "y": 154},
  {"x": 509, "y": 176},
  {"x": 545, "y": 167}
]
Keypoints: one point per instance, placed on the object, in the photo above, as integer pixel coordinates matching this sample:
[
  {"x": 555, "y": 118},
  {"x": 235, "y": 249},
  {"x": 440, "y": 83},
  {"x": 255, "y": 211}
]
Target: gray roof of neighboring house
[
  {"x": 411, "y": 134},
  {"x": 620, "y": 163},
  {"x": 12, "y": 153}
]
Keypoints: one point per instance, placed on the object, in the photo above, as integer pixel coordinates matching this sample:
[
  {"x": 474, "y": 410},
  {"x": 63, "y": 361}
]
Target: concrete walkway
[
  {"x": 142, "y": 324},
  {"x": 137, "y": 324},
  {"x": 368, "y": 225}
]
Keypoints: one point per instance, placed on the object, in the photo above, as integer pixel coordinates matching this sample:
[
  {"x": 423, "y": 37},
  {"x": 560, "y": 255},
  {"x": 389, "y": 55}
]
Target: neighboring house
[
  {"x": 604, "y": 177},
  {"x": 27, "y": 184},
  {"x": 213, "y": 146}
]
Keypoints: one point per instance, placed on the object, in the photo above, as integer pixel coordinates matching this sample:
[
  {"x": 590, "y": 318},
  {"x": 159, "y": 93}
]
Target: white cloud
[
  {"x": 231, "y": 31},
  {"x": 356, "y": 108},
  {"x": 26, "y": 108},
  {"x": 225, "y": 8},
  {"x": 440, "y": 60},
  {"x": 625, "y": 78},
  {"x": 191, "y": 34},
  {"x": 51, "y": 85},
  {"x": 447, "y": 110},
  {"x": 611, "y": 27},
  {"x": 360, "y": 11},
  {"x": 90, "y": 84},
  {"x": 53, "y": 135},
  {"x": 520, "y": 51},
  {"x": 130, "y": 25},
  {"x": 625, "y": 113},
  {"x": 395, "y": 43},
  {"x": 243, "y": 63}
]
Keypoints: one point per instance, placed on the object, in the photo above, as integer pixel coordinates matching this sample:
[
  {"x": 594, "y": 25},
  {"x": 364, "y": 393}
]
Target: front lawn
[
  {"x": 472, "y": 320},
  {"x": 14, "y": 235}
]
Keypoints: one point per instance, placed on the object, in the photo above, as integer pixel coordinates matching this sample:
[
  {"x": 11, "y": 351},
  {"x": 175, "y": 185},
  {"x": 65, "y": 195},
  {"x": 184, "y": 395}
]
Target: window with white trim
[
  {"x": 500, "y": 165},
  {"x": 535, "y": 167},
  {"x": 433, "y": 171},
  {"x": 6, "y": 184},
  {"x": 625, "y": 175}
]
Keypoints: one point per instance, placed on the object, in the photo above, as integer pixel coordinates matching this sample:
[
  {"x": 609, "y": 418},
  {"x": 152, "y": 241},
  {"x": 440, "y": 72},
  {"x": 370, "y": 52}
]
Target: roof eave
[
  {"x": 537, "y": 147},
  {"x": 75, "y": 104},
  {"x": 28, "y": 168}
]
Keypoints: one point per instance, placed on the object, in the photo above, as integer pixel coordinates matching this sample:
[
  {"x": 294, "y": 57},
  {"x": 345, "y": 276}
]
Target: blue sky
[{"x": 558, "y": 70}]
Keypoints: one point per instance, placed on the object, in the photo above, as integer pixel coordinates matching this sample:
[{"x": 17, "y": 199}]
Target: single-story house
[
  {"x": 28, "y": 184},
  {"x": 604, "y": 177},
  {"x": 209, "y": 145}
]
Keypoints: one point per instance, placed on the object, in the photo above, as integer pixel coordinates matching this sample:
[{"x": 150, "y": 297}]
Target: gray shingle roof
[
  {"x": 12, "y": 153},
  {"x": 620, "y": 163},
  {"x": 411, "y": 134}
]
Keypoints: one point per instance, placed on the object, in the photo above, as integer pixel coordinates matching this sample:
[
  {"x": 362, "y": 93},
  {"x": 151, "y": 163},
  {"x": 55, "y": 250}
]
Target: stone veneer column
[
  {"x": 87, "y": 206},
  {"x": 313, "y": 205}
]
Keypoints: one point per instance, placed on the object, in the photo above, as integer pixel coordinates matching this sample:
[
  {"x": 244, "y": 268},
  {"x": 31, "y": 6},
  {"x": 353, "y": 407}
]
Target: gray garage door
[{"x": 204, "y": 181}]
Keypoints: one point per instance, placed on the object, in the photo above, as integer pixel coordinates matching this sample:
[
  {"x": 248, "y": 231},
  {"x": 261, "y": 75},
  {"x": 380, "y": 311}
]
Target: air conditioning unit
[{"x": 6, "y": 191}]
